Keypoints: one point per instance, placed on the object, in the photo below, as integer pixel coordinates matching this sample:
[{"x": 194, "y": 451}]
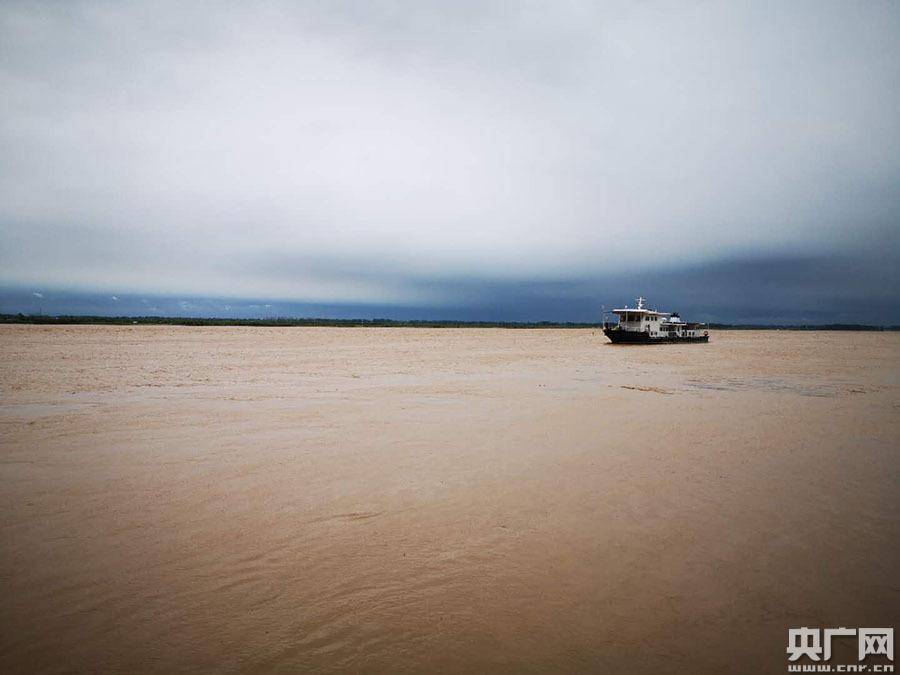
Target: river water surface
[{"x": 404, "y": 500}]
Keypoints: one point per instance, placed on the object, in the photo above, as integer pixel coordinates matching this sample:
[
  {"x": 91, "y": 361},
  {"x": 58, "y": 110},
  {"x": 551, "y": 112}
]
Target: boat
[{"x": 642, "y": 326}]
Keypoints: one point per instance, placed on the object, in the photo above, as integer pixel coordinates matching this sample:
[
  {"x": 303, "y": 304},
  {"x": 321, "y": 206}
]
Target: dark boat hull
[{"x": 627, "y": 337}]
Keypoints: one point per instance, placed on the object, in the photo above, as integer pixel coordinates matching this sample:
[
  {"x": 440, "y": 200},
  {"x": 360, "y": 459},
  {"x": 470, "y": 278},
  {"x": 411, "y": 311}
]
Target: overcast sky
[{"x": 515, "y": 159}]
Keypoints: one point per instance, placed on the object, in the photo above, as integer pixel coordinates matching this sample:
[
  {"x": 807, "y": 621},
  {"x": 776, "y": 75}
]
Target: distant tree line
[
  {"x": 377, "y": 323},
  {"x": 278, "y": 321},
  {"x": 818, "y": 326}
]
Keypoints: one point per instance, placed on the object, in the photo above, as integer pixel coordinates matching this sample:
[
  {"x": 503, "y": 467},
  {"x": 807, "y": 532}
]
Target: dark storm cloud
[
  {"x": 457, "y": 157},
  {"x": 782, "y": 290}
]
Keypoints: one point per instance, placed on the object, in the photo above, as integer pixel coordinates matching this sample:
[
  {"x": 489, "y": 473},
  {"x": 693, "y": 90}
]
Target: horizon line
[{"x": 378, "y": 322}]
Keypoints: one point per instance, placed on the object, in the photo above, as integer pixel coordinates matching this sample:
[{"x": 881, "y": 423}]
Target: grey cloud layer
[
  {"x": 786, "y": 289},
  {"x": 367, "y": 152}
]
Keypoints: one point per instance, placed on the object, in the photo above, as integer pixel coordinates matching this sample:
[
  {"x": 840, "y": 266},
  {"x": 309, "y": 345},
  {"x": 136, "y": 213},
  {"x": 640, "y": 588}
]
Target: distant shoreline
[{"x": 375, "y": 323}]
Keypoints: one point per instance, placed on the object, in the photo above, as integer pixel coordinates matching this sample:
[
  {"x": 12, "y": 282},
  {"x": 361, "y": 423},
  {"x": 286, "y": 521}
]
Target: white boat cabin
[{"x": 657, "y": 324}]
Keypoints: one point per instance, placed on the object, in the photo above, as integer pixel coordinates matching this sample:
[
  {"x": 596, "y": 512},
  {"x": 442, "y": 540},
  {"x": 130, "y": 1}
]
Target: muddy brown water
[{"x": 409, "y": 500}]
